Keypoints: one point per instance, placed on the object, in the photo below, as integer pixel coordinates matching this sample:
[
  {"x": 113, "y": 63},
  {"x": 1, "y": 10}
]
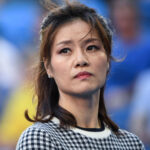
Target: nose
[{"x": 81, "y": 59}]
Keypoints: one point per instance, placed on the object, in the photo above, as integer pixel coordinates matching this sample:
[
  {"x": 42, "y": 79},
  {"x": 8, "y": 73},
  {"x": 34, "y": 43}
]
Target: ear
[
  {"x": 47, "y": 67},
  {"x": 107, "y": 66}
]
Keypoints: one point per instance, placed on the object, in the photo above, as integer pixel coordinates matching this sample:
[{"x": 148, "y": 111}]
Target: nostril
[
  {"x": 77, "y": 65},
  {"x": 85, "y": 64},
  {"x": 82, "y": 64}
]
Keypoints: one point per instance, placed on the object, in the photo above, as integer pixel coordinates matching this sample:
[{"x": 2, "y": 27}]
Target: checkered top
[{"x": 49, "y": 136}]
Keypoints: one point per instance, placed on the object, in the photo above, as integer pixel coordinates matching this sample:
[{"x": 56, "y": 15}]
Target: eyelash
[
  {"x": 91, "y": 46},
  {"x": 63, "y": 50}
]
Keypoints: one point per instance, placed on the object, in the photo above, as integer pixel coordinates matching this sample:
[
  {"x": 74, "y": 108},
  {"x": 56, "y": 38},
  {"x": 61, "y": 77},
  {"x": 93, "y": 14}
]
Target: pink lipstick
[{"x": 83, "y": 75}]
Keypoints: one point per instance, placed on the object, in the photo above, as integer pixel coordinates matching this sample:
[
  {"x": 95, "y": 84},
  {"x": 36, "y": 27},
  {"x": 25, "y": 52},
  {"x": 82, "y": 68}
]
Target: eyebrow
[
  {"x": 85, "y": 41},
  {"x": 65, "y": 42},
  {"x": 91, "y": 40}
]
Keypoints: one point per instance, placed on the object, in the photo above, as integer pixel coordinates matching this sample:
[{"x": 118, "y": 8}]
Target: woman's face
[{"x": 78, "y": 59}]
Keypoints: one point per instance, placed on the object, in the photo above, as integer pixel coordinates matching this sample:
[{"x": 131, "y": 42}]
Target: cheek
[
  {"x": 59, "y": 70},
  {"x": 101, "y": 64},
  {"x": 101, "y": 71}
]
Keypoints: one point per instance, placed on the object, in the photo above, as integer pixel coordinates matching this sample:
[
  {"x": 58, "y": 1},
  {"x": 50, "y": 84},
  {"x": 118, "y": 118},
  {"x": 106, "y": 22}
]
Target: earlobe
[{"x": 48, "y": 76}]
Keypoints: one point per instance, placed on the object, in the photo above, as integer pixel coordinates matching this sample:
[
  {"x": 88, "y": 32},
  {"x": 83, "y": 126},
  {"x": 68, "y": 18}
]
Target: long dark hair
[{"x": 46, "y": 89}]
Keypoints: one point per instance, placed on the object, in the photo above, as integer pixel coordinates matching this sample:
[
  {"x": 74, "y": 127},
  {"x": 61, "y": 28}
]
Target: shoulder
[
  {"x": 130, "y": 139},
  {"x": 35, "y": 137}
]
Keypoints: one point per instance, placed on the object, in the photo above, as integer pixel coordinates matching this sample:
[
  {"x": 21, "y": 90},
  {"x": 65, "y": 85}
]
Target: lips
[{"x": 83, "y": 75}]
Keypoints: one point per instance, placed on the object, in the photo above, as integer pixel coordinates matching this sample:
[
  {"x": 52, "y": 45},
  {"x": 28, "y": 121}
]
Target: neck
[{"x": 84, "y": 109}]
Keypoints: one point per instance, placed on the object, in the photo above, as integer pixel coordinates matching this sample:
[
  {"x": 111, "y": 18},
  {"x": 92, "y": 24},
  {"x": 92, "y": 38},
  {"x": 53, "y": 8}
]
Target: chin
[{"x": 84, "y": 92}]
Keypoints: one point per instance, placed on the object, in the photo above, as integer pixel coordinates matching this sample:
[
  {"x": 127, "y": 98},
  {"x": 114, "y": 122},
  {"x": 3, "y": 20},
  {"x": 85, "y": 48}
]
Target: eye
[
  {"x": 93, "y": 47},
  {"x": 65, "y": 51}
]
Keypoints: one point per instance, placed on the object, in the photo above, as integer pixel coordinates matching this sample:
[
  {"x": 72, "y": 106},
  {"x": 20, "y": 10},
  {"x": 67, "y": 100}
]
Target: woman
[{"x": 75, "y": 53}]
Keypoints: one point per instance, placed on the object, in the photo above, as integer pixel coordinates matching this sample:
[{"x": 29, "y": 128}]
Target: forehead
[{"x": 75, "y": 30}]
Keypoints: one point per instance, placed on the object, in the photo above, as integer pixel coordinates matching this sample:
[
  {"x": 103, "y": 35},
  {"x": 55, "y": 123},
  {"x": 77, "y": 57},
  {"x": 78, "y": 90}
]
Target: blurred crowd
[{"x": 128, "y": 85}]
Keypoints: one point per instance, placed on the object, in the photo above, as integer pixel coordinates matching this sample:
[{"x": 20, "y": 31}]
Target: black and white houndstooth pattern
[{"x": 49, "y": 136}]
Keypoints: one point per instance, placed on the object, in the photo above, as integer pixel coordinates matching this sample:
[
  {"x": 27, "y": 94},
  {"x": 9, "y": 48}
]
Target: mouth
[{"x": 83, "y": 75}]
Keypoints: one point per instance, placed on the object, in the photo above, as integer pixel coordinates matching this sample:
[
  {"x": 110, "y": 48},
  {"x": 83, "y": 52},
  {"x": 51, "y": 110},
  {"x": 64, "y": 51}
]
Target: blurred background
[{"x": 128, "y": 85}]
